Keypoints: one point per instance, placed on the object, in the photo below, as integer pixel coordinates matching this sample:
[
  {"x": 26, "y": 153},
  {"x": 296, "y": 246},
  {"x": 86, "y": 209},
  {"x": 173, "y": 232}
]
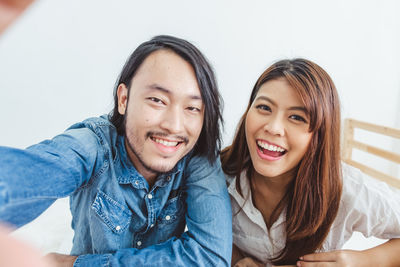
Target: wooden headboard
[{"x": 350, "y": 143}]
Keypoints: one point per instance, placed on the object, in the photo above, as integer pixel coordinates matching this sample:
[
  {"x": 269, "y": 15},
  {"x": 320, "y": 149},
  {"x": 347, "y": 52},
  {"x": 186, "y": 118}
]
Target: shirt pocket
[
  {"x": 171, "y": 221},
  {"x": 173, "y": 210},
  {"x": 109, "y": 223}
]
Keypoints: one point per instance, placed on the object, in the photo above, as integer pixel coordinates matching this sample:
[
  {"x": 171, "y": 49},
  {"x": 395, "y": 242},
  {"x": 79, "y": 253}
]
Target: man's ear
[{"x": 122, "y": 93}]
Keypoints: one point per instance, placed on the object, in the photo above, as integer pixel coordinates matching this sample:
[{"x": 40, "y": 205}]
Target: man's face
[{"x": 164, "y": 114}]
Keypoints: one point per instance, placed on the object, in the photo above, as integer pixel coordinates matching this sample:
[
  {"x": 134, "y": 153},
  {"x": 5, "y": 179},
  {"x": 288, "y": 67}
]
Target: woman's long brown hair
[{"x": 313, "y": 197}]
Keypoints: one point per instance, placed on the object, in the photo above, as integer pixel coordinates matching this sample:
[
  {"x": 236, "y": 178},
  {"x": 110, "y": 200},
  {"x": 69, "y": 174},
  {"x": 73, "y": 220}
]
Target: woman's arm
[
  {"x": 236, "y": 255},
  {"x": 240, "y": 260},
  {"x": 386, "y": 254}
]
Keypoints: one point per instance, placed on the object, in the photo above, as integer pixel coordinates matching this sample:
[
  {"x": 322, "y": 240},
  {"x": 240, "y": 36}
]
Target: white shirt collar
[{"x": 246, "y": 202}]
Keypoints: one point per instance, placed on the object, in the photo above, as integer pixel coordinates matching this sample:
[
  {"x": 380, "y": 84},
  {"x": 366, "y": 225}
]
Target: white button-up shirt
[{"x": 367, "y": 206}]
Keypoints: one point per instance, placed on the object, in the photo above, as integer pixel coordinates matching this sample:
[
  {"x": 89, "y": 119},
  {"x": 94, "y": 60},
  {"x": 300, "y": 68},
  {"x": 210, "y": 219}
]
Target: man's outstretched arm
[{"x": 32, "y": 179}]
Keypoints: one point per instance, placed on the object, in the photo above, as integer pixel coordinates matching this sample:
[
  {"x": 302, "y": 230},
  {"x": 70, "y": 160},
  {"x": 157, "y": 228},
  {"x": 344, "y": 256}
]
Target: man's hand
[
  {"x": 248, "y": 262},
  {"x": 10, "y": 10},
  {"x": 335, "y": 258},
  {"x": 61, "y": 260},
  {"x": 16, "y": 253}
]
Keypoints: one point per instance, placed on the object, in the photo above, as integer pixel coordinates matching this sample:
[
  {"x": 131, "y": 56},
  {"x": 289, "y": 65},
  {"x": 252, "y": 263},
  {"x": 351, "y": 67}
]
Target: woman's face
[{"x": 277, "y": 129}]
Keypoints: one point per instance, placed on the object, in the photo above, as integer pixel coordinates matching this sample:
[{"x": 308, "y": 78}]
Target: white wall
[{"x": 59, "y": 62}]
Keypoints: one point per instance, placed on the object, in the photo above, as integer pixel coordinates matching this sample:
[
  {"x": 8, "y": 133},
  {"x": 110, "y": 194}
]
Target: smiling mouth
[
  {"x": 165, "y": 142},
  {"x": 270, "y": 150}
]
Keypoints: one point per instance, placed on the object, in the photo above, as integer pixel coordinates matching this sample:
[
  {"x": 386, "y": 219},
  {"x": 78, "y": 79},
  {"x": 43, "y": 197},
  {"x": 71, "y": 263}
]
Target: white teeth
[
  {"x": 270, "y": 147},
  {"x": 164, "y": 142}
]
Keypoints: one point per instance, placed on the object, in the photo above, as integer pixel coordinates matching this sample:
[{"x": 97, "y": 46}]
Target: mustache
[{"x": 180, "y": 138}]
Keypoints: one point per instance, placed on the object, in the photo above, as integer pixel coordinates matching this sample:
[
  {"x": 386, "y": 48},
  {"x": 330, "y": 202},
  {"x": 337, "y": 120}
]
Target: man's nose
[{"x": 173, "y": 120}]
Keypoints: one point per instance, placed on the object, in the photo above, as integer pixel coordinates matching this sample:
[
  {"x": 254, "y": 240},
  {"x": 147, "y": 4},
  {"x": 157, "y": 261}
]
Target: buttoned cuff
[{"x": 95, "y": 260}]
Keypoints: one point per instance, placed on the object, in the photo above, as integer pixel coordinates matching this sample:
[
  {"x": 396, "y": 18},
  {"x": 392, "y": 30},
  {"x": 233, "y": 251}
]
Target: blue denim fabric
[{"x": 118, "y": 220}]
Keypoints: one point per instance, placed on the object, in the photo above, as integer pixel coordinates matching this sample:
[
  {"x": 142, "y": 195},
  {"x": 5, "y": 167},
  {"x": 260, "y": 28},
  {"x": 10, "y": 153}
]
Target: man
[{"x": 138, "y": 176}]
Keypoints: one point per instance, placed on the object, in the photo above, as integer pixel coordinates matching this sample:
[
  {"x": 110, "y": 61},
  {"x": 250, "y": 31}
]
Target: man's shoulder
[
  {"x": 199, "y": 167},
  {"x": 196, "y": 161},
  {"x": 96, "y": 129},
  {"x": 93, "y": 123},
  {"x": 101, "y": 126}
]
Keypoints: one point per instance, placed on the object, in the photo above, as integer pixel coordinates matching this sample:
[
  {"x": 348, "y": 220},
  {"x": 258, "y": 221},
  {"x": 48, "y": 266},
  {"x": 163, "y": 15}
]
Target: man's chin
[
  {"x": 162, "y": 168},
  {"x": 159, "y": 165}
]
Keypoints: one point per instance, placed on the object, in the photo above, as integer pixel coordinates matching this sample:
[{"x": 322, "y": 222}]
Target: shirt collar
[{"x": 246, "y": 202}]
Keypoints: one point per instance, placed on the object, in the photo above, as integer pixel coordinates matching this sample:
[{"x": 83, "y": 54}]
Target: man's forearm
[{"x": 184, "y": 251}]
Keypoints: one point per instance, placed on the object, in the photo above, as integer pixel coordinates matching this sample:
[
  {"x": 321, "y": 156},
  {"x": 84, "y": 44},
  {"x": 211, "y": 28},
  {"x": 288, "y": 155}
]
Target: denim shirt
[{"x": 118, "y": 220}]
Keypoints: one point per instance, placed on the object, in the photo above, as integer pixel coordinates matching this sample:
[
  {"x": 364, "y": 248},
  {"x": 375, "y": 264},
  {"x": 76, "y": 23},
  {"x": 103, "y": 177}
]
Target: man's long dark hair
[{"x": 209, "y": 142}]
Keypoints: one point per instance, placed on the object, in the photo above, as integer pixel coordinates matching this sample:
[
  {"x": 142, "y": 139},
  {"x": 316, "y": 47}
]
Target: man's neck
[
  {"x": 149, "y": 175},
  {"x": 150, "y": 179}
]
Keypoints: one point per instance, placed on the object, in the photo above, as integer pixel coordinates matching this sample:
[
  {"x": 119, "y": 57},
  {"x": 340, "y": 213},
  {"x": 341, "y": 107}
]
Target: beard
[
  {"x": 157, "y": 170},
  {"x": 130, "y": 140},
  {"x": 136, "y": 146}
]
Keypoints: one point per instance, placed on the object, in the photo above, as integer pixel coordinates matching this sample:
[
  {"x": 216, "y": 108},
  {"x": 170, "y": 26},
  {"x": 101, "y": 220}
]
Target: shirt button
[
  {"x": 118, "y": 228},
  {"x": 136, "y": 182},
  {"x": 139, "y": 243},
  {"x": 149, "y": 196},
  {"x": 168, "y": 217},
  {"x": 152, "y": 225}
]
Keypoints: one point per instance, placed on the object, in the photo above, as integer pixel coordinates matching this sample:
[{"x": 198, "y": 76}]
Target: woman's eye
[
  {"x": 298, "y": 118},
  {"x": 263, "y": 107}
]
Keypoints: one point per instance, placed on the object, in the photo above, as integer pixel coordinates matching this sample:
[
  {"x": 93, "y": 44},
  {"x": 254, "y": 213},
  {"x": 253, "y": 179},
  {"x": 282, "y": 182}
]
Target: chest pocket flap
[
  {"x": 114, "y": 214},
  {"x": 173, "y": 209}
]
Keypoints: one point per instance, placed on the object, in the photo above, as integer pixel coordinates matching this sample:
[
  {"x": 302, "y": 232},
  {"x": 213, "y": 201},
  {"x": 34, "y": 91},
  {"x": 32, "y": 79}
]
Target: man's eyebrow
[
  {"x": 196, "y": 97},
  {"x": 167, "y": 91},
  {"x": 159, "y": 88},
  {"x": 299, "y": 108}
]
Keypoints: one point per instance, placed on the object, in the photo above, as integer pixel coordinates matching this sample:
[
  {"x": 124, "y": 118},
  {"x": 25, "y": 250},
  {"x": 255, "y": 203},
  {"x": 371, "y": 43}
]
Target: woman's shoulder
[
  {"x": 229, "y": 179},
  {"x": 367, "y": 205},
  {"x": 357, "y": 184},
  {"x": 366, "y": 197}
]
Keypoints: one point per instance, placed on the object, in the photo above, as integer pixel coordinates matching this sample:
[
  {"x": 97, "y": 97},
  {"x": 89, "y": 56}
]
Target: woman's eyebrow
[
  {"x": 303, "y": 109},
  {"x": 263, "y": 97},
  {"x": 296, "y": 108}
]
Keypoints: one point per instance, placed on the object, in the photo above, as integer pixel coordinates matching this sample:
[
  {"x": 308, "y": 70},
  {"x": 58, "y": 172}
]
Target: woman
[{"x": 293, "y": 200}]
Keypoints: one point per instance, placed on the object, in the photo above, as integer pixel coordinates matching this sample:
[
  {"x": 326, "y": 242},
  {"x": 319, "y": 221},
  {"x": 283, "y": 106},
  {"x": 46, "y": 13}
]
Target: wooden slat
[
  {"x": 347, "y": 137},
  {"x": 375, "y": 128},
  {"x": 376, "y": 174},
  {"x": 376, "y": 151},
  {"x": 350, "y": 144}
]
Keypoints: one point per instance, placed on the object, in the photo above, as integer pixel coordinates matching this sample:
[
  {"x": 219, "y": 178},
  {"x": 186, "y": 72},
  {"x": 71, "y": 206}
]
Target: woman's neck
[{"x": 267, "y": 192}]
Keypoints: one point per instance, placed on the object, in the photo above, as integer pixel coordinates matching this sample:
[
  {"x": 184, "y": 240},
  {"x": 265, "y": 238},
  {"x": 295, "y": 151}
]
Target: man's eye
[
  {"x": 263, "y": 107},
  {"x": 155, "y": 99},
  {"x": 298, "y": 118},
  {"x": 194, "y": 109}
]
